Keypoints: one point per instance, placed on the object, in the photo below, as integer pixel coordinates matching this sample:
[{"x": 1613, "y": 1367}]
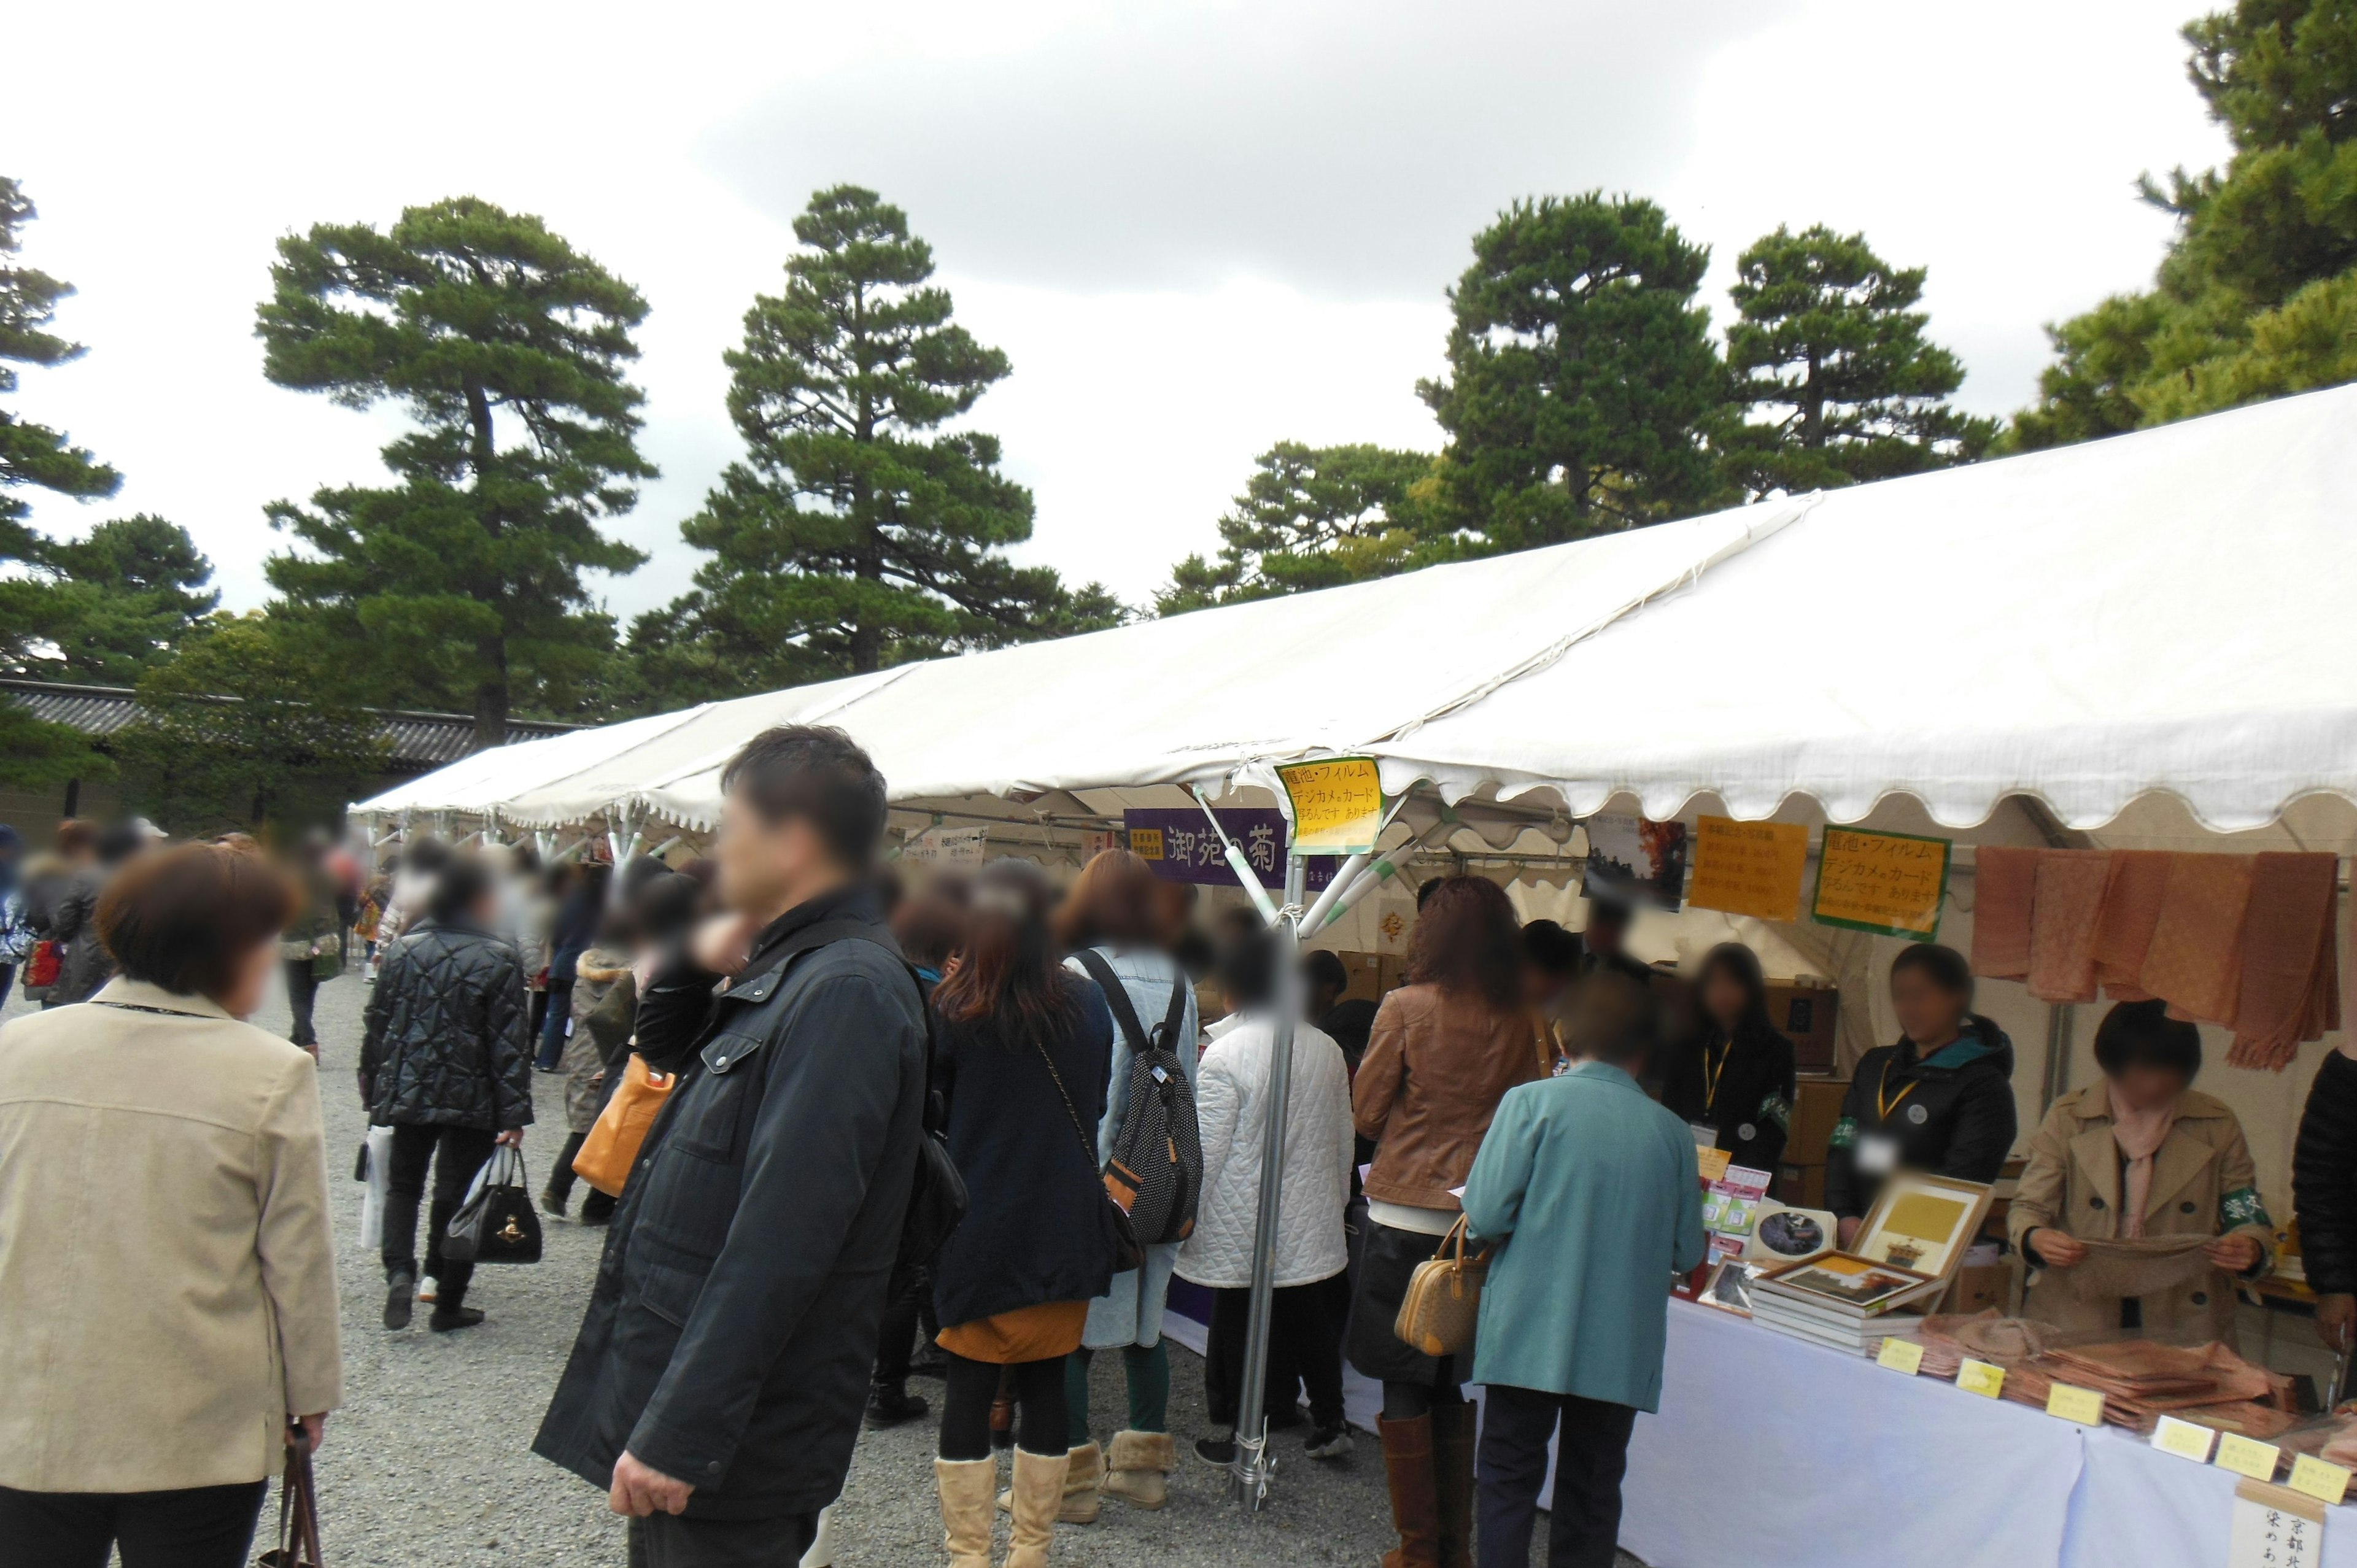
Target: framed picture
[
  {"x": 1730, "y": 1288},
  {"x": 1790, "y": 1235},
  {"x": 1851, "y": 1284},
  {"x": 1924, "y": 1223}
]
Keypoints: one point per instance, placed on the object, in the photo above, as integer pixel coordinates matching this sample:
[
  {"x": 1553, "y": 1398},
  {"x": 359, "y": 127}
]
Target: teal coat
[{"x": 1590, "y": 1190}]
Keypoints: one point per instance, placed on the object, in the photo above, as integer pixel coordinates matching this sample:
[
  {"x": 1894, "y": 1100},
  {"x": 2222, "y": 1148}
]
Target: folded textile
[
  {"x": 2004, "y": 882},
  {"x": 2065, "y": 910},
  {"x": 2132, "y": 898},
  {"x": 2290, "y": 977},
  {"x": 2146, "y": 1266},
  {"x": 2262, "y": 1422},
  {"x": 2195, "y": 962}
]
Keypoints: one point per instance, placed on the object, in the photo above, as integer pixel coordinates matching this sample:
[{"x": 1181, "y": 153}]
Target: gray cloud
[{"x": 1349, "y": 150}]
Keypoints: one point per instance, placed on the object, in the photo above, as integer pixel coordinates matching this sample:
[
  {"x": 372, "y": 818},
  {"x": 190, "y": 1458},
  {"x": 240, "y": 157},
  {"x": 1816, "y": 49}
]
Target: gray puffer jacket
[{"x": 447, "y": 1042}]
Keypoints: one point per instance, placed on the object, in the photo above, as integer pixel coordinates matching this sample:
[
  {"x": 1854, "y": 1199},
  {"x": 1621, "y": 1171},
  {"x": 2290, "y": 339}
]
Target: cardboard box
[
  {"x": 1809, "y": 1016},
  {"x": 1990, "y": 1285}
]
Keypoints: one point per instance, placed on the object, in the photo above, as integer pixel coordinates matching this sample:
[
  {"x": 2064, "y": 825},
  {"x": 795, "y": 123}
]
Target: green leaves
[
  {"x": 34, "y": 455},
  {"x": 105, "y": 608},
  {"x": 1314, "y": 516}
]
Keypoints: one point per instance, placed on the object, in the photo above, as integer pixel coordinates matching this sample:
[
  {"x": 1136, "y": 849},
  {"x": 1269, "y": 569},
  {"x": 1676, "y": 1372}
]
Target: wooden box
[{"x": 1809, "y": 1017}]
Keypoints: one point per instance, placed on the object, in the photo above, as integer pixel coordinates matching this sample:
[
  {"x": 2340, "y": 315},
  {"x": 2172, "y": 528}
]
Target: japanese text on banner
[
  {"x": 1179, "y": 846},
  {"x": 1890, "y": 884},
  {"x": 1749, "y": 868}
]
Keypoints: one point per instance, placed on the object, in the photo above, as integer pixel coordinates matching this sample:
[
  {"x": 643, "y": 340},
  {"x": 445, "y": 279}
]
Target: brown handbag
[
  {"x": 298, "y": 1510},
  {"x": 1442, "y": 1306}
]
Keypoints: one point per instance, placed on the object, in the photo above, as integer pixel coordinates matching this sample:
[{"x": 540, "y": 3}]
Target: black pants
[
  {"x": 302, "y": 990},
  {"x": 456, "y": 1152},
  {"x": 910, "y": 1301},
  {"x": 1591, "y": 1453},
  {"x": 1304, "y": 1342},
  {"x": 1039, "y": 1393},
  {"x": 595, "y": 1204},
  {"x": 675, "y": 1541},
  {"x": 201, "y": 1526}
]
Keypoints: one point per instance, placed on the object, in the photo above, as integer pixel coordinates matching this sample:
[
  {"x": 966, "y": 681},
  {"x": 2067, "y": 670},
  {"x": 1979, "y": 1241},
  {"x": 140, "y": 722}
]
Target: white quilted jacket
[{"x": 1231, "y": 1106}]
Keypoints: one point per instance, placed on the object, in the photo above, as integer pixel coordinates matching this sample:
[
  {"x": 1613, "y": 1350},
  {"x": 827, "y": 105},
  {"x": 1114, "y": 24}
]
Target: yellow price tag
[
  {"x": 1980, "y": 1377},
  {"x": 1901, "y": 1356},
  {"x": 1713, "y": 1163},
  {"x": 2324, "y": 1482},
  {"x": 2246, "y": 1456},
  {"x": 2184, "y": 1439},
  {"x": 2084, "y": 1406},
  {"x": 1338, "y": 804}
]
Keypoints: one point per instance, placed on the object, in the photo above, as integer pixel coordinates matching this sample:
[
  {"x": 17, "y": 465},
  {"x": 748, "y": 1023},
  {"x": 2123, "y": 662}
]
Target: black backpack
[{"x": 1156, "y": 1170}]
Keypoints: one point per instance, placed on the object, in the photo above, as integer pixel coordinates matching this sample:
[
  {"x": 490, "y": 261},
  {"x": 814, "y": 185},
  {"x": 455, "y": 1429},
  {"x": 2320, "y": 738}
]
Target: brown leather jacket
[{"x": 1435, "y": 1070}]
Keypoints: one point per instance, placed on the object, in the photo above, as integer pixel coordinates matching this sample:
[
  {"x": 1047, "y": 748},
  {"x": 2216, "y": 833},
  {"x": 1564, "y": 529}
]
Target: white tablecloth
[{"x": 2136, "y": 1504}]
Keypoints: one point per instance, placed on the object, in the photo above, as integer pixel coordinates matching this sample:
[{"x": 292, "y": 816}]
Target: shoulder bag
[
  {"x": 1127, "y": 1253},
  {"x": 611, "y": 1147},
  {"x": 1154, "y": 1171},
  {"x": 298, "y": 1510},
  {"x": 497, "y": 1224},
  {"x": 1442, "y": 1306}
]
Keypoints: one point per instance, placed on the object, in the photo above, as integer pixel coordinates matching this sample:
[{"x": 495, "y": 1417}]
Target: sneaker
[
  {"x": 551, "y": 1204},
  {"x": 1329, "y": 1443},
  {"x": 429, "y": 1289},
  {"x": 448, "y": 1320},
  {"x": 397, "y": 1296},
  {"x": 891, "y": 1405},
  {"x": 1217, "y": 1451}
]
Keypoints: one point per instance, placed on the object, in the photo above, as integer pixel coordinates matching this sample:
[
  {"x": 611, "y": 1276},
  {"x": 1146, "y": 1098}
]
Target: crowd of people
[{"x": 827, "y": 1041}]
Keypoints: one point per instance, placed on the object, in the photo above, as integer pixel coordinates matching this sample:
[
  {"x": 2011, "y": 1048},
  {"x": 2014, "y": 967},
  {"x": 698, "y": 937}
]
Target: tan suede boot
[
  {"x": 1138, "y": 1468},
  {"x": 1083, "y": 1482},
  {"x": 965, "y": 1487},
  {"x": 1038, "y": 1494}
]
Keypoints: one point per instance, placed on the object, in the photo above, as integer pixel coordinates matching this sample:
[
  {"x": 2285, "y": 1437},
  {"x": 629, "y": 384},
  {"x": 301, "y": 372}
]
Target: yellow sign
[
  {"x": 1749, "y": 868},
  {"x": 1890, "y": 884},
  {"x": 1901, "y": 1356},
  {"x": 1712, "y": 1164},
  {"x": 2184, "y": 1439},
  {"x": 2084, "y": 1406},
  {"x": 1145, "y": 843},
  {"x": 1338, "y": 804},
  {"x": 2324, "y": 1482},
  {"x": 1980, "y": 1377},
  {"x": 2246, "y": 1456}
]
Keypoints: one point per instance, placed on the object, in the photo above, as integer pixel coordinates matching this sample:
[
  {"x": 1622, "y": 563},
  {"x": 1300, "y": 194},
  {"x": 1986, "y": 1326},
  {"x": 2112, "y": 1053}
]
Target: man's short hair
[
  {"x": 1547, "y": 947},
  {"x": 1609, "y": 1018},
  {"x": 457, "y": 888},
  {"x": 819, "y": 773},
  {"x": 185, "y": 918}
]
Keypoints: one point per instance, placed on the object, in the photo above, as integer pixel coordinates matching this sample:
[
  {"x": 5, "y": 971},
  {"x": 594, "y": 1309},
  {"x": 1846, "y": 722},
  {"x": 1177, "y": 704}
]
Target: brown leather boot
[
  {"x": 1416, "y": 1505},
  {"x": 1452, "y": 1468}
]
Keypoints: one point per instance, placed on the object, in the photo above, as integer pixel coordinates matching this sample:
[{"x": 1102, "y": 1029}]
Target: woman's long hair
[
  {"x": 1009, "y": 977},
  {"x": 1740, "y": 964},
  {"x": 1112, "y": 904},
  {"x": 1468, "y": 941}
]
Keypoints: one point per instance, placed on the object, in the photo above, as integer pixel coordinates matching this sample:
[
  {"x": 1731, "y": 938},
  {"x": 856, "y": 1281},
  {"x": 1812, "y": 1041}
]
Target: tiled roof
[{"x": 420, "y": 742}]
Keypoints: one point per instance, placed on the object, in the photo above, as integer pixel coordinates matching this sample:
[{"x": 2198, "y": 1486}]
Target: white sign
[
  {"x": 945, "y": 846},
  {"x": 2271, "y": 1534}
]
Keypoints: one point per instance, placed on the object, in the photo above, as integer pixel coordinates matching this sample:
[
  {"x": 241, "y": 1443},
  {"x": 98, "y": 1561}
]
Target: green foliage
[
  {"x": 242, "y": 727},
  {"x": 1827, "y": 340},
  {"x": 463, "y": 585},
  {"x": 1582, "y": 377},
  {"x": 103, "y": 609},
  {"x": 36, "y": 755},
  {"x": 855, "y": 533},
  {"x": 34, "y": 453},
  {"x": 1313, "y": 517},
  {"x": 2253, "y": 299}
]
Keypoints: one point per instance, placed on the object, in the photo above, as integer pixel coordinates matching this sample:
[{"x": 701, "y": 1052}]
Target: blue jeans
[{"x": 552, "y": 1029}]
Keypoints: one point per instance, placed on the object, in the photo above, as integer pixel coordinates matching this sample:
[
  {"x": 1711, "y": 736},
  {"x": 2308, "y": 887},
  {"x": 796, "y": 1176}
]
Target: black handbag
[
  {"x": 1127, "y": 1253},
  {"x": 497, "y": 1224}
]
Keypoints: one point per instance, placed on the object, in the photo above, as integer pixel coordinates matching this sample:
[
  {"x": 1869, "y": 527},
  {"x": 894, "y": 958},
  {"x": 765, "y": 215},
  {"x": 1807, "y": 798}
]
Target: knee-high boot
[{"x": 1416, "y": 1505}]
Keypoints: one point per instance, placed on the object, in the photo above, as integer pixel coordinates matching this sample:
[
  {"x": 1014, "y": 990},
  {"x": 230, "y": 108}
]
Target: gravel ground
[{"x": 429, "y": 1460}]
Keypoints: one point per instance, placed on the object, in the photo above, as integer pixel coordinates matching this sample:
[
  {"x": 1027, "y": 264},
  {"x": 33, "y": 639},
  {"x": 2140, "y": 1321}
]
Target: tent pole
[{"x": 1253, "y": 1467}]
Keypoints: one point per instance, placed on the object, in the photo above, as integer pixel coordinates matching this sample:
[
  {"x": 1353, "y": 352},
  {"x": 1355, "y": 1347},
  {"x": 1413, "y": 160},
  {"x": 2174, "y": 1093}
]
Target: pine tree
[
  {"x": 103, "y": 609},
  {"x": 855, "y": 532},
  {"x": 1826, "y": 340},
  {"x": 1312, "y": 517},
  {"x": 34, "y": 455},
  {"x": 464, "y": 584},
  {"x": 1582, "y": 378}
]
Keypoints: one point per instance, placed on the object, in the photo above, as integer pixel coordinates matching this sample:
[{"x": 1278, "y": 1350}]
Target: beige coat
[
  {"x": 167, "y": 1287},
  {"x": 2072, "y": 1184}
]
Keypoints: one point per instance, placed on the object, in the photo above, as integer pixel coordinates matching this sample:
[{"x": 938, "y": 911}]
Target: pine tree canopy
[
  {"x": 34, "y": 455},
  {"x": 1313, "y": 517},
  {"x": 105, "y": 608}
]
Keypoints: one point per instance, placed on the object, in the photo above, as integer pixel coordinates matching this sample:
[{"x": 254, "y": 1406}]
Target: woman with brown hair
[
  {"x": 1444, "y": 1050},
  {"x": 1020, "y": 1050}
]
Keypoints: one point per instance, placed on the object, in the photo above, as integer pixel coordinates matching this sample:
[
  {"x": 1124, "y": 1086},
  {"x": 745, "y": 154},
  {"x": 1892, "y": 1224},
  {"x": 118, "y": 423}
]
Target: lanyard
[
  {"x": 1884, "y": 1103},
  {"x": 1710, "y": 1095}
]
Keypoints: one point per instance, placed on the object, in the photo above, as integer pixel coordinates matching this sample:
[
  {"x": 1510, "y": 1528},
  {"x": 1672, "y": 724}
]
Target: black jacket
[
  {"x": 1745, "y": 1091},
  {"x": 1038, "y": 1227},
  {"x": 63, "y": 908},
  {"x": 2324, "y": 1179},
  {"x": 1952, "y": 1116},
  {"x": 732, "y": 1324},
  {"x": 445, "y": 1040}
]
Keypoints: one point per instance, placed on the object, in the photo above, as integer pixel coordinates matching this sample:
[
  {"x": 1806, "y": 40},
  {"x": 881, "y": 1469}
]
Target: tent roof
[{"x": 2163, "y": 611}]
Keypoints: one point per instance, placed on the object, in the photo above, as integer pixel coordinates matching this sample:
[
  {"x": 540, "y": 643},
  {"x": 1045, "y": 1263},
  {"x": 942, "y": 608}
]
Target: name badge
[
  {"x": 1704, "y": 1137},
  {"x": 1878, "y": 1154}
]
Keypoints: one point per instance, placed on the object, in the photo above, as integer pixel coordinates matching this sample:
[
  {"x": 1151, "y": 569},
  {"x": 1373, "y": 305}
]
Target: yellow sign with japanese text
[
  {"x": 1338, "y": 804},
  {"x": 1749, "y": 868},
  {"x": 1890, "y": 884}
]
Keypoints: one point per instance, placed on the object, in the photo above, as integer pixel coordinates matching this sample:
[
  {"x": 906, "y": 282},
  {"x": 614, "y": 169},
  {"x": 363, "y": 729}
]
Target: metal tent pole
[{"x": 1253, "y": 1467}]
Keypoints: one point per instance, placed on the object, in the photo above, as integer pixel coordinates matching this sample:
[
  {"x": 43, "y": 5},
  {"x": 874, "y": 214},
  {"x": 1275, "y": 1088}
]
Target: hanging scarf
[{"x": 2139, "y": 1134}]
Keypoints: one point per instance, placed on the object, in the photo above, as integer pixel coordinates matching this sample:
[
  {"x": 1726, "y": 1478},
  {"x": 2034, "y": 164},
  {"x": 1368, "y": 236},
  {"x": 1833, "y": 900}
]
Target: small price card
[
  {"x": 2084, "y": 1406},
  {"x": 2246, "y": 1456},
  {"x": 1980, "y": 1377},
  {"x": 2184, "y": 1439},
  {"x": 1901, "y": 1356},
  {"x": 2325, "y": 1482},
  {"x": 1711, "y": 1163}
]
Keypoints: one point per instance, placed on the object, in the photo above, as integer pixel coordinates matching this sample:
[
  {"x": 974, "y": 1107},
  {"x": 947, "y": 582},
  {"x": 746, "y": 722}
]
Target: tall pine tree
[
  {"x": 856, "y": 532},
  {"x": 465, "y": 584},
  {"x": 1582, "y": 378},
  {"x": 1826, "y": 342},
  {"x": 1312, "y": 517}
]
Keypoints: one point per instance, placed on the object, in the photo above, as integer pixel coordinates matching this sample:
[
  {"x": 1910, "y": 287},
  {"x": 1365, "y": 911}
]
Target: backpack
[{"x": 1156, "y": 1170}]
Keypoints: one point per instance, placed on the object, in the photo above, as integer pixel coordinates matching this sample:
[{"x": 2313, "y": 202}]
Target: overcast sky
[{"x": 1196, "y": 229}]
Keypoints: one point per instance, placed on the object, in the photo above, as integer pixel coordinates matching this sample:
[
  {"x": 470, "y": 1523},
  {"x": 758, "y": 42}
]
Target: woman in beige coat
[
  {"x": 2139, "y": 1156},
  {"x": 166, "y": 1277}
]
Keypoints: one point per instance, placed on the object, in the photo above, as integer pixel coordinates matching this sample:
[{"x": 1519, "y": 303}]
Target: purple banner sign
[{"x": 1181, "y": 847}]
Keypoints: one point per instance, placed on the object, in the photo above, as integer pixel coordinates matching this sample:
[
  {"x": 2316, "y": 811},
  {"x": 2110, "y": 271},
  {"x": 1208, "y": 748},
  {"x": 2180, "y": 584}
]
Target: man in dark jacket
[
  {"x": 1948, "y": 1111},
  {"x": 2324, "y": 1193},
  {"x": 446, "y": 1064},
  {"x": 716, "y": 1386}
]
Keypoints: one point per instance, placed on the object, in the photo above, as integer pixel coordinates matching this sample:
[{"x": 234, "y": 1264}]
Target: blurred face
[
  {"x": 1928, "y": 1012},
  {"x": 2145, "y": 1087},
  {"x": 1541, "y": 989},
  {"x": 767, "y": 867},
  {"x": 1605, "y": 934},
  {"x": 1723, "y": 998},
  {"x": 250, "y": 980}
]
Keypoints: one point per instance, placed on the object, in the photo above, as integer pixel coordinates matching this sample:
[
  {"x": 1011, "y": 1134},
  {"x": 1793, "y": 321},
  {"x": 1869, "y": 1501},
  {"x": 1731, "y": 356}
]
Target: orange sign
[{"x": 1749, "y": 868}]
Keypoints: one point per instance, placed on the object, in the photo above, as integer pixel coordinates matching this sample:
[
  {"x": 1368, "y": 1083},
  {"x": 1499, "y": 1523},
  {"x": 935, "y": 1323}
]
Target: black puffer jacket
[
  {"x": 1952, "y": 1113},
  {"x": 446, "y": 1042},
  {"x": 2324, "y": 1179}
]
